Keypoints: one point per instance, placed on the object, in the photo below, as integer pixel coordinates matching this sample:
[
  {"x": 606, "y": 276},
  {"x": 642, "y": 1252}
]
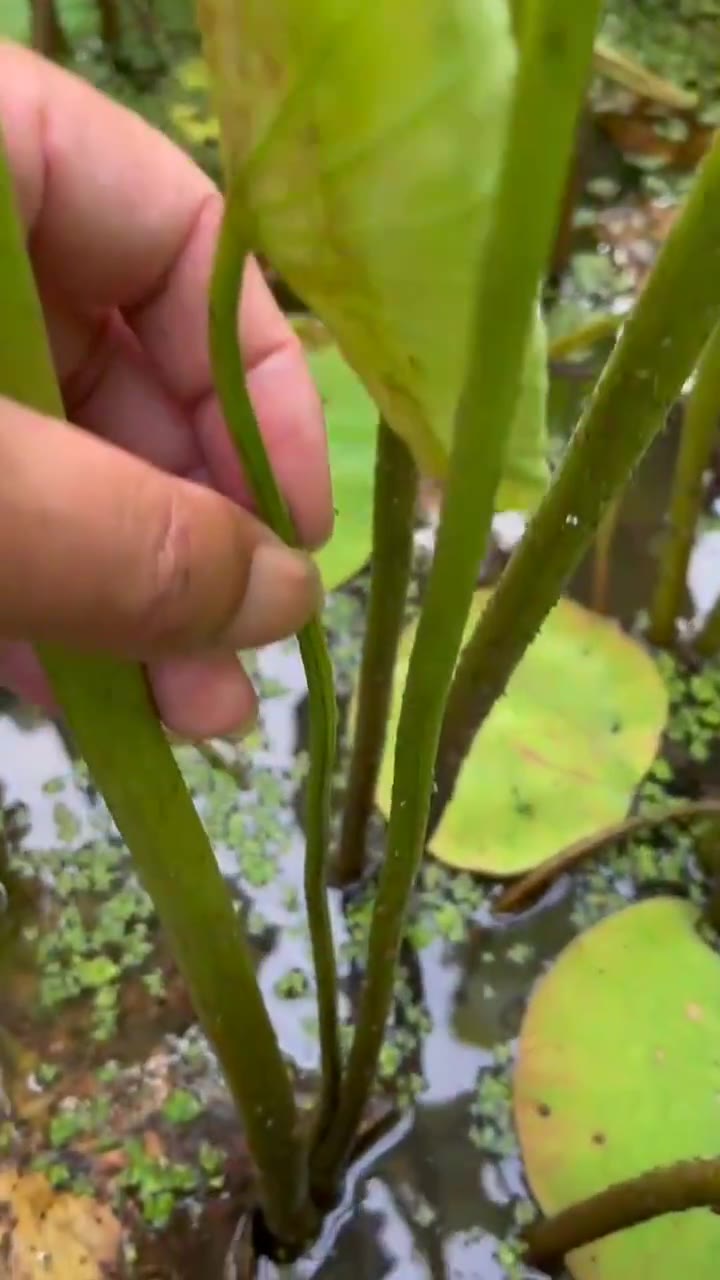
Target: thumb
[{"x": 103, "y": 551}]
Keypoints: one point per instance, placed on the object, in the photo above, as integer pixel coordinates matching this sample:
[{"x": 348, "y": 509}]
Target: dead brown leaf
[{"x": 50, "y": 1235}]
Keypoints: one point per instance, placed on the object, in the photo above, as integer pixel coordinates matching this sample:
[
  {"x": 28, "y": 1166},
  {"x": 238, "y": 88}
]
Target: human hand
[{"x": 131, "y": 530}]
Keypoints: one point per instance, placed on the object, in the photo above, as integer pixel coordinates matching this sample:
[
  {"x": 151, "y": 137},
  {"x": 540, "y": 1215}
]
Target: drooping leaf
[
  {"x": 560, "y": 754},
  {"x": 370, "y": 177},
  {"x": 618, "y": 1074},
  {"x": 351, "y": 421}
]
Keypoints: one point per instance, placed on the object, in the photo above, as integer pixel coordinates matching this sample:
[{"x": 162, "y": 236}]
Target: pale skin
[{"x": 131, "y": 530}]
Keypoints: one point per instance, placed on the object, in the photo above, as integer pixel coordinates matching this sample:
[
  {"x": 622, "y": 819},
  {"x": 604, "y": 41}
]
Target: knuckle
[{"x": 164, "y": 607}]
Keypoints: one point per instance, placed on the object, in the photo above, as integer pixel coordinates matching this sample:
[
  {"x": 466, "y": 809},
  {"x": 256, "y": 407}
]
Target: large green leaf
[
  {"x": 619, "y": 1073},
  {"x": 560, "y": 754},
  {"x": 369, "y": 139},
  {"x": 351, "y": 421}
]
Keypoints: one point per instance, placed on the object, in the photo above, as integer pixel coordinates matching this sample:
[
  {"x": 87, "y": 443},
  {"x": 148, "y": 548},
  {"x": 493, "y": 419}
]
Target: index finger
[
  {"x": 108, "y": 202},
  {"x": 119, "y": 217}
]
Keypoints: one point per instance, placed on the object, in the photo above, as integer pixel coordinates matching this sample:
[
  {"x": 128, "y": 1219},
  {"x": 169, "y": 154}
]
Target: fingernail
[{"x": 283, "y": 591}]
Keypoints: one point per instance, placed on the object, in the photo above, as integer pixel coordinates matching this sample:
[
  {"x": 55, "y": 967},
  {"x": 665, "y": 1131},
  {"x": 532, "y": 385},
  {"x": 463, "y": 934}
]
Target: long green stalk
[
  {"x": 396, "y": 484},
  {"x": 598, "y": 329},
  {"x": 699, "y": 432},
  {"x": 676, "y": 1188},
  {"x": 535, "y": 882},
  {"x": 602, "y": 556},
  {"x": 707, "y": 643},
  {"x": 655, "y": 354},
  {"x": 110, "y": 713},
  {"x": 233, "y": 248},
  {"x": 556, "y": 52}
]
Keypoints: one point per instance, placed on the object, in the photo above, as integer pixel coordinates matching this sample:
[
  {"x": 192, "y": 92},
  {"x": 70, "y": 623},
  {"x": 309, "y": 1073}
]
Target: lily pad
[
  {"x": 560, "y": 755},
  {"x": 351, "y": 421},
  {"x": 619, "y": 1073}
]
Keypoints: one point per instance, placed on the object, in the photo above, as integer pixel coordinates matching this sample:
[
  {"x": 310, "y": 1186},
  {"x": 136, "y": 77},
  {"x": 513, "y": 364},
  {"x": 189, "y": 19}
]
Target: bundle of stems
[{"x": 556, "y": 53}]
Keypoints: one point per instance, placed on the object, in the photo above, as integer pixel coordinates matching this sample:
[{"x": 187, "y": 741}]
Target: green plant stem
[
  {"x": 557, "y": 46},
  {"x": 655, "y": 354},
  {"x": 588, "y": 335},
  {"x": 232, "y": 253},
  {"x": 396, "y": 485},
  {"x": 602, "y": 557},
  {"x": 699, "y": 432},
  {"x": 537, "y": 880},
  {"x": 690, "y": 1184},
  {"x": 707, "y": 643},
  {"x": 109, "y": 710},
  {"x": 517, "y": 15}
]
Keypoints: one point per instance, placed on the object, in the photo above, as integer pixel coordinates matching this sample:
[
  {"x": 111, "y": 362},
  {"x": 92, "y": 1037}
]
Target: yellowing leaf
[
  {"x": 369, "y": 138},
  {"x": 560, "y": 754},
  {"x": 47, "y": 1235}
]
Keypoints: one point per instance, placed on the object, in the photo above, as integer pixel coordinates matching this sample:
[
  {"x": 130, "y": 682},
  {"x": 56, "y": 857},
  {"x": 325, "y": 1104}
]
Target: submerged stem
[
  {"x": 598, "y": 329},
  {"x": 602, "y": 556},
  {"x": 232, "y": 255},
  {"x": 699, "y": 431},
  {"x": 396, "y": 483},
  {"x": 690, "y": 1184},
  {"x": 537, "y": 880},
  {"x": 707, "y": 643},
  {"x": 655, "y": 354},
  {"x": 557, "y": 46},
  {"x": 108, "y": 707}
]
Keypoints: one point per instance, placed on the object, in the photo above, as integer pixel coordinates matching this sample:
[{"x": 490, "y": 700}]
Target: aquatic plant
[
  {"x": 346, "y": 130},
  {"x": 313, "y": 110}
]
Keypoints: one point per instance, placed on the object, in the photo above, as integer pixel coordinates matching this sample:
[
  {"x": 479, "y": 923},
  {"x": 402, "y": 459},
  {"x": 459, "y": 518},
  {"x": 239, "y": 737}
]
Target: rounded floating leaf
[
  {"x": 351, "y": 422},
  {"x": 370, "y": 179},
  {"x": 618, "y": 1074},
  {"x": 560, "y": 754}
]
